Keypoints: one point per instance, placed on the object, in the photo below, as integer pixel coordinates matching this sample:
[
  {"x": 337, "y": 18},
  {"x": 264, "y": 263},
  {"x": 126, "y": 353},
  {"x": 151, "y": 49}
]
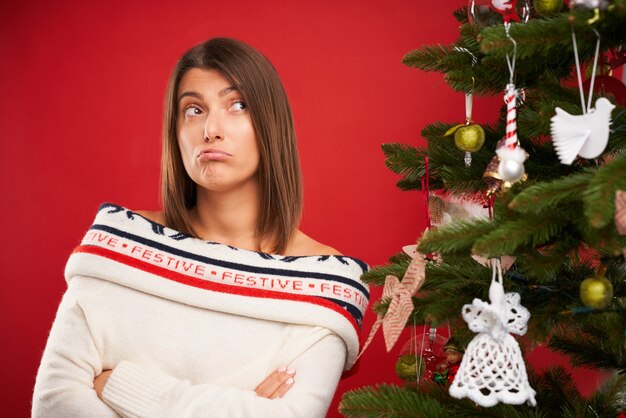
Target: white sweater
[{"x": 174, "y": 357}]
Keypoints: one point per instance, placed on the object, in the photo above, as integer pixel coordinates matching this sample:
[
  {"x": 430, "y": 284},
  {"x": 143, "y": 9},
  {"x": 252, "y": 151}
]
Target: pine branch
[
  {"x": 461, "y": 15},
  {"x": 539, "y": 107},
  {"x": 400, "y": 258},
  {"x": 610, "y": 399},
  {"x": 530, "y": 230},
  {"x": 589, "y": 345},
  {"x": 440, "y": 58},
  {"x": 544, "y": 196},
  {"x": 407, "y": 185},
  {"x": 605, "y": 241},
  {"x": 389, "y": 401},
  {"x": 457, "y": 238},
  {"x": 467, "y": 272},
  {"x": 405, "y": 160},
  {"x": 556, "y": 387},
  {"x": 542, "y": 265},
  {"x": 376, "y": 275},
  {"x": 438, "y": 308},
  {"x": 600, "y": 195},
  {"x": 536, "y": 39},
  {"x": 550, "y": 39},
  {"x": 617, "y": 139}
]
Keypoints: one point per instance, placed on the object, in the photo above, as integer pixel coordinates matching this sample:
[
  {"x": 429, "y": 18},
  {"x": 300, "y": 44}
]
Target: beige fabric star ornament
[
  {"x": 401, "y": 305},
  {"x": 506, "y": 261}
]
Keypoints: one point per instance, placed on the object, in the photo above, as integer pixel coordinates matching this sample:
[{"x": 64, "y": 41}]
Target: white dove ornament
[{"x": 584, "y": 135}]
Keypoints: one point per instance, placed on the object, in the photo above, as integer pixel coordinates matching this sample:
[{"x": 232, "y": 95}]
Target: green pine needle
[
  {"x": 530, "y": 230},
  {"x": 456, "y": 238},
  {"x": 389, "y": 401},
  {"x": 599, "y": 197},
  {"x": 545, "y": 196}
]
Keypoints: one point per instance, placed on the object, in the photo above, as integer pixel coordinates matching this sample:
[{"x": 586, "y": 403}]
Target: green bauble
[
  {"x": 469, "y": 138},
  {"x": 406, "y": 369},
  {"x": 547, "y": 7},
  {"x": 596, "y": 292}
]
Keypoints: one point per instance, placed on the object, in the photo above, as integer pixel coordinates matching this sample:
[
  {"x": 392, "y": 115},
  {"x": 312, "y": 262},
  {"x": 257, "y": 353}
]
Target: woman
[{"x": 219, "y": 305}]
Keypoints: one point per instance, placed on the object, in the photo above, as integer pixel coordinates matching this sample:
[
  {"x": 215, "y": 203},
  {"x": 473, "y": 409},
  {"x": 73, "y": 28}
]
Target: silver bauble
[{"x": 511, "y": 170}]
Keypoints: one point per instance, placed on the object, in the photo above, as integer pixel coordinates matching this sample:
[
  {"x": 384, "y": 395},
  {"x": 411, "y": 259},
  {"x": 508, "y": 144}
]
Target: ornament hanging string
[
  {"x": 510, "y": 62},
  {"x": 426, "y": 191},
  {"x": 418, "y": 366},
  {"x": 490, "y": 205},
  {"x": 462, "y": 49},
  {"x": 594, "y": 411},
  {"x": 586, "y": 109}
]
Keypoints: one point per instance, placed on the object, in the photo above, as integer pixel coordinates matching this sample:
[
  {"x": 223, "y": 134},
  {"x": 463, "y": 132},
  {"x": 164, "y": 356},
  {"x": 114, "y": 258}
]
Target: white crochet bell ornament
[{"x": 492, "y": 369}]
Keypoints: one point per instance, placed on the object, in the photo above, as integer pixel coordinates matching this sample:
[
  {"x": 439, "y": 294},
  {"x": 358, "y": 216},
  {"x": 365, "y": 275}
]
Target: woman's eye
[
  {"x": 192, "y": 111},
  {"x": 238, "y": 106}
]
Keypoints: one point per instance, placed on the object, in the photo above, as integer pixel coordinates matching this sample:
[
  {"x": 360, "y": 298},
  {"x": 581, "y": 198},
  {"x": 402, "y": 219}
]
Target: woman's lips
[{"x": 213, "y": 155}]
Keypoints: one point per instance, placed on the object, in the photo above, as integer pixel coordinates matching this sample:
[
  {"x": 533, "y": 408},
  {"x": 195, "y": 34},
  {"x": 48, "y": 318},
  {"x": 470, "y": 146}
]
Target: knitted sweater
[{"x": 190, "y": 327}]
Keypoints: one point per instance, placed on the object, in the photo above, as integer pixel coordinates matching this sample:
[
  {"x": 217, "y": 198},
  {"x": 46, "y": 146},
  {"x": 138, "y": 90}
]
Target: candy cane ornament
[
  {"x": 510, "y": 98},
  {"x": 512, "y": 156}
]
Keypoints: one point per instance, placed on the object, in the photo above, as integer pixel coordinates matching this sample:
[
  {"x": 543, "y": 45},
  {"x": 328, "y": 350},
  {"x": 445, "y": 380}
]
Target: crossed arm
[
  {"x": 71, "y": 382},
  {"x": 274, "y": 386}
]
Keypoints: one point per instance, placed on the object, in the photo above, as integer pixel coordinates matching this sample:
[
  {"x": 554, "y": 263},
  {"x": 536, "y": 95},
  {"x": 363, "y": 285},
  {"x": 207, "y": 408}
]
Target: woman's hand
[
  {"x": 100, "y": 381},
  {"x": 276, "y": 384}
]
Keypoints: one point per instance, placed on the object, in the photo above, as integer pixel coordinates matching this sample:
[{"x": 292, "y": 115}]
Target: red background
[{"x": 81, "y": 87}]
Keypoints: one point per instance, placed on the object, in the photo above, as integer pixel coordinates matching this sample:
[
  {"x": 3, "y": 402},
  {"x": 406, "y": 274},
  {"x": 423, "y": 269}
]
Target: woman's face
[{"x": 215, "y": 133}]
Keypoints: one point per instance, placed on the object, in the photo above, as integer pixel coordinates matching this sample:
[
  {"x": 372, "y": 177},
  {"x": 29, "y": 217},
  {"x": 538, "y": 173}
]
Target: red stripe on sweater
[{"x": 212, "y": 286}]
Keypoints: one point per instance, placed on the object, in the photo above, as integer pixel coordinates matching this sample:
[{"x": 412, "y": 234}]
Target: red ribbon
[{"x": 426, "y": 191}]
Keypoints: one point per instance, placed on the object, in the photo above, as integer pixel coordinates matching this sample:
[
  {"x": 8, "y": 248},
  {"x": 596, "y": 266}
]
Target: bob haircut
[{"x": 279, "y": 173}]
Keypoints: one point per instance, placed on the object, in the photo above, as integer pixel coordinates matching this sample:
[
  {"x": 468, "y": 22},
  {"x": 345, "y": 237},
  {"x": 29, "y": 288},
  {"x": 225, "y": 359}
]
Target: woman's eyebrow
[
  {"x": 223, "y": 92},
  {"x": 190, "y": 94}
]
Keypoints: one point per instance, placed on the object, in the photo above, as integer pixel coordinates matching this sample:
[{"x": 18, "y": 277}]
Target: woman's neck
[{"x": 227, "y": 217}]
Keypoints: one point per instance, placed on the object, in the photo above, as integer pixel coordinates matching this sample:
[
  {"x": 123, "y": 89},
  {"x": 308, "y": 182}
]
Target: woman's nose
[{"x": 212, "y": 129}]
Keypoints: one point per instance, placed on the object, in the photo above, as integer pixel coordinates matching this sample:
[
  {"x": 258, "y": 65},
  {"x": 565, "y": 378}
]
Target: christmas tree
[{"x": 551, "y": 187}]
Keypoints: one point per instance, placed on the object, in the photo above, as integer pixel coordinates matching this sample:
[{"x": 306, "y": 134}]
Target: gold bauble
[
  {"x": 547, "y": 7},
  {"x": 405, "y": 367},
  {"x": 469, "y": 138},
  {"x": 596, "y": 292}
]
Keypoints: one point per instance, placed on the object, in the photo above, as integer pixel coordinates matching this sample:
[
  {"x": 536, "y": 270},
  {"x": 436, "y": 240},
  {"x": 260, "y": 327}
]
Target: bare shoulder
[
  {"x": 302, "y": 244},
  {"x": 158, "y": 217}
]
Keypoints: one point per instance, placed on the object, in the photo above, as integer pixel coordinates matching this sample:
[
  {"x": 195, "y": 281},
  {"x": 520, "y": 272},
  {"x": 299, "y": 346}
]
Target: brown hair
[{"x": 279, "y": 166}]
